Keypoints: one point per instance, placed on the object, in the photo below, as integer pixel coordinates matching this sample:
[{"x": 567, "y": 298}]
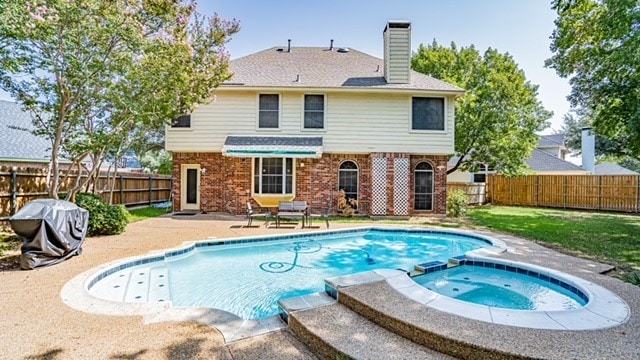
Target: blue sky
[{"x": 521, "y": 28}]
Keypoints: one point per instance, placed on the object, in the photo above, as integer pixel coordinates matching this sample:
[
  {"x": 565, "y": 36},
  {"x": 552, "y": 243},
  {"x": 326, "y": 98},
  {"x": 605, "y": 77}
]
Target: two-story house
[{"x": 304, "y": 122}]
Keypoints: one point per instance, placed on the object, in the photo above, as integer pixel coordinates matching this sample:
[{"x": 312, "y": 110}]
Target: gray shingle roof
[
  {"x": 318, "y": 67},
  {"x": 553, "y": 140},
  {"x": 542, "y": 161},
  {"x": 16, "y": 140},
  {"x": 609, "y": 168}
]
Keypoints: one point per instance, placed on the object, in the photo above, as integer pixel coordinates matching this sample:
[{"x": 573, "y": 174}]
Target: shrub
[
  {"x": 457, "y": 203},
  {"x": 104, "y": 219},
  {"x": 633, "y": 278}
]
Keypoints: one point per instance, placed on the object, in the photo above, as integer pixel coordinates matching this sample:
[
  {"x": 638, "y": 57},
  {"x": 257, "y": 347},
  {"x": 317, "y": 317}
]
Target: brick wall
[{"x": 226, "y": 183}]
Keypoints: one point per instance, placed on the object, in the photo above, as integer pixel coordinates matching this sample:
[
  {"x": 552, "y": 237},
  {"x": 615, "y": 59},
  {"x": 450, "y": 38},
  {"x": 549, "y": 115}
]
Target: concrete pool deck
[{"x": 36, "y": 324}]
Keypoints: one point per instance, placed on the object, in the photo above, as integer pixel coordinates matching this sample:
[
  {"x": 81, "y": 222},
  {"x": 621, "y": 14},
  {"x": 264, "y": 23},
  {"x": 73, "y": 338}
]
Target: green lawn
[
  {"x": 146, "y": 213},
  {"x": 606, "y": 237}
]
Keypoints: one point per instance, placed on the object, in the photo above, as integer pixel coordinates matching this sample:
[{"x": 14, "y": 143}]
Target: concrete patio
[{"x": 36, "y": 324}]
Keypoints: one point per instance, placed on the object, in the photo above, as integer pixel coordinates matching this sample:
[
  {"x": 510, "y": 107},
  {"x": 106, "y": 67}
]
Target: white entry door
[{"x": 190, "y": 187}]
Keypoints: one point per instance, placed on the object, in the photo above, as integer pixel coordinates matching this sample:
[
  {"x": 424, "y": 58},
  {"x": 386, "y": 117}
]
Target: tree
[
  {"x": 98, "y": 75},
  {"x": 605, "y": 149},
  {"x": 595, "y": 45},
  {"x": 497, "y": 118},
  {"x": 157, "y": 161}
]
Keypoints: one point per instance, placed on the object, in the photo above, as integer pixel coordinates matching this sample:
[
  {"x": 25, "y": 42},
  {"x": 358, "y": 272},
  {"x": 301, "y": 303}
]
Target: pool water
[
  {"x": 500, "y": 288},
  {"x": 249, "y": 279}
]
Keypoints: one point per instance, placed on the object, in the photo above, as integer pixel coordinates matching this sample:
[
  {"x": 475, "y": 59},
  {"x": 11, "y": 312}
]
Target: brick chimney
[{"x": 397, "y": 51}]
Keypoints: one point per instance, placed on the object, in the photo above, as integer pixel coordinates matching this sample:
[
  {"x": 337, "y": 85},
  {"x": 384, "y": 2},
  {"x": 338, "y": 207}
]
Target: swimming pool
[
  {"x": 498, "y": 287},
  {"x": 247, "y": 277}
]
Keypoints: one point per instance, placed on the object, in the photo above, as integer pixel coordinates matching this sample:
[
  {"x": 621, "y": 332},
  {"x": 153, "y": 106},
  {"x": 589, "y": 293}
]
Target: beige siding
[
  {"x": 354, "y": 123},
  {"x": 397, "y": 55},
  {"x": 459, "y": 176}
]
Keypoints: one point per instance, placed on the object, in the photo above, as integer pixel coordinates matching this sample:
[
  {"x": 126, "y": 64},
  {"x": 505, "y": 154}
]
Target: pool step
[
  {"x": 147, "y": 284},
  {"x": 416, "y": 272},
  {"x": 335, "y": 332}
]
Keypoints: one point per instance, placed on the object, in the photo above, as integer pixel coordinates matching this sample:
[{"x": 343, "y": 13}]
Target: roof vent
[
  {"x": 378, "y": 68},
  {"x": 343, "y": 50},
  {"x": 289, "y": 46},
  {"x": 331, "y": 46},
  {"x": 279, "y": 49}
]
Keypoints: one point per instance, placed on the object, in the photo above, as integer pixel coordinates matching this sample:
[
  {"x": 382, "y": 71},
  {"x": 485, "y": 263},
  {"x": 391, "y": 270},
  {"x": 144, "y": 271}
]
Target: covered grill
[{"x": 52, "y": 231}]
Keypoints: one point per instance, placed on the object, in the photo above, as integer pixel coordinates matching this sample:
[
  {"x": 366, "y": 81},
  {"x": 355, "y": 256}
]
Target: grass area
[
  {"x": 146, "y": 213},
  {"x": 605, "y": 237},
  {"x": 9, "y": 243}
]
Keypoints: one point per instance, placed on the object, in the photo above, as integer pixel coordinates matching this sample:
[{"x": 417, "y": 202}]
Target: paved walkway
[{"x": 35, "y": 324}]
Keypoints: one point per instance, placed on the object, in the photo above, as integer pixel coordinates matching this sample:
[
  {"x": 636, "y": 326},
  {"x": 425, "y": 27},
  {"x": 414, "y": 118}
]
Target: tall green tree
[
  {"x": 596, "y": 44},
  {"x": 499, "y": 115},
  {"x": 98, "y": 75}
]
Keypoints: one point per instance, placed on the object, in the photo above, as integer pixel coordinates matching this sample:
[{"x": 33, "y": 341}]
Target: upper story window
[
  {"x": 273, "y": 176},
  {"x": 269, "y": 111},
  {"x": 427, "y": 113},
  {"x": 182, "y": 121},
  {"x": 314, "y": 111}
]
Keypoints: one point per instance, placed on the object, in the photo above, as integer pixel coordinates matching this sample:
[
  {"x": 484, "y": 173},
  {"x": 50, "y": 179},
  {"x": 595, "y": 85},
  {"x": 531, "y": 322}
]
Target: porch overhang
[{"x": 273, "y": 146}]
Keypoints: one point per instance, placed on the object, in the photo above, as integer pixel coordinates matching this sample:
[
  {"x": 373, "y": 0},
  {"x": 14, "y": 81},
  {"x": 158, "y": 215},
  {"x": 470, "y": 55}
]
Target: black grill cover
[{"x": 52, "y": 231}]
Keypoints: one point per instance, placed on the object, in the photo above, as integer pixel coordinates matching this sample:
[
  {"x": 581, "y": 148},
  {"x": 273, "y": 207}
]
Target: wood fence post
[
  {"x": 537, "y": 189},
  {"x": 511, "y": 191},
  {"x": 14, "y": 190},
  {"x": 638, "y": 194},
  {"x": 564, "y": 192},
  {"x": 599, "y": 191},
  {"x": 150, "y": 189},
  {"x": 122, "y": 189}
]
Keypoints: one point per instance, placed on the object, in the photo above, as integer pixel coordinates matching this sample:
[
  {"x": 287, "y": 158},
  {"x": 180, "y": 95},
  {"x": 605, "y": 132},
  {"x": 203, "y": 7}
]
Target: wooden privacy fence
[
  {"x": 477, "y": 192},
  {"x": 18, "y": 186},
  {"x": 597, "y": 192}
]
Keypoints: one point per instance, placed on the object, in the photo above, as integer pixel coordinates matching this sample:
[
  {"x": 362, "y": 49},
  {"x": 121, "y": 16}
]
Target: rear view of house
[{"x": 305, "y": 122}]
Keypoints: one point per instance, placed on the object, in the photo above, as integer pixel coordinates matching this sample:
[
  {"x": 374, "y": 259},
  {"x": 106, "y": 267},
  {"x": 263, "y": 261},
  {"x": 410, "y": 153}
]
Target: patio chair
[
  {"x": 251, "y": 214},
  {"x": 322, "y": 215}
]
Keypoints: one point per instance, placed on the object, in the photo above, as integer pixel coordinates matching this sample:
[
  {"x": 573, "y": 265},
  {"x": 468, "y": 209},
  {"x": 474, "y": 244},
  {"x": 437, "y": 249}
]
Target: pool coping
[
  {"x": 76, "y": 292},
  {"x": 604, "y": 309}
]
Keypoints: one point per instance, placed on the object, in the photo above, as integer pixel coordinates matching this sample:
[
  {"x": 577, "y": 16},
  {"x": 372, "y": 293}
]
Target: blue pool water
[
  {"x": 249, "y": 279},
  {"x": 500, "y": 288}
]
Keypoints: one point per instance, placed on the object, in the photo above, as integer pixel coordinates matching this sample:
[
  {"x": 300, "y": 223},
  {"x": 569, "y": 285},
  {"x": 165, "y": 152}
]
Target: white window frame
[
  {"x": 258, "y": 128},
  {"x": 433, "y": 185},
  {"x": 324, "y": 115},
  {"x": 190, "y": 128},
  {"x": 356, "y": 170},
  {"x": 284, "y": 174},
  {"x": 445, "y": 114}
]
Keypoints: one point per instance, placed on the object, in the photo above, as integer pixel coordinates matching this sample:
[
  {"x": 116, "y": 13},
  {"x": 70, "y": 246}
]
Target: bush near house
[
  {"x": 457, "y": 203},
  {"x": 104, "y": 219}
]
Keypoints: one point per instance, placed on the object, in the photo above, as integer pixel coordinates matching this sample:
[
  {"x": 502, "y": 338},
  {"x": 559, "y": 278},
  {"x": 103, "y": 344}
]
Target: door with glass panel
[{"x": 190, "y": 187}]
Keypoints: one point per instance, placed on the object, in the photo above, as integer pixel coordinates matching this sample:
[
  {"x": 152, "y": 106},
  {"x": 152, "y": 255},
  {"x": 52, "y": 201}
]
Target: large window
[
  {"x": 314, "y": 111},
  {"x": 269, "y": 108},
  {"x": 427, "y": 113},
  {"x": 348, "y": 179},
  {"x": 423, "y": 189},
  {"x": 273, "y": 176}
]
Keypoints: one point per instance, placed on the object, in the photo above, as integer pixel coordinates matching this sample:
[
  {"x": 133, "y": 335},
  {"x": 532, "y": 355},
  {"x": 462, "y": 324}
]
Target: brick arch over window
[
  {"x": 423, "y": 189},
  {"x": 349, "y": 179}
]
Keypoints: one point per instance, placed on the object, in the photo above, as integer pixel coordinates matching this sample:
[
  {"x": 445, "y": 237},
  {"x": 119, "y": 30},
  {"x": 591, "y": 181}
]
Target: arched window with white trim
[
  {"x": 423, "y": 186},
  {"x": 348, "y": 179}
]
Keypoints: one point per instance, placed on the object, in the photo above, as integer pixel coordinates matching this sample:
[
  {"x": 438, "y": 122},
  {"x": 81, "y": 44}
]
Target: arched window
[
  {"x": 348, "y": 179},
  {"x": 423, "y": 186}
]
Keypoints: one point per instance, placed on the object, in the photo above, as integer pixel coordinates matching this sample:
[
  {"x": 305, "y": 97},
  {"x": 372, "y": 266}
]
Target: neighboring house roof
[
  {"x": 542, "y": 161},
  {"x": 17, "y": 143},
  {"x": 319, "y": 67},
  {"x": 553, "y": 140},
  {"x": 609, "y": 168}
]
